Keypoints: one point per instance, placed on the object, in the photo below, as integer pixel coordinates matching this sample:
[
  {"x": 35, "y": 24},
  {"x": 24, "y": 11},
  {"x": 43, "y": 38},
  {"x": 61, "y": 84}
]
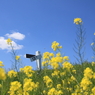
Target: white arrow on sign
[{"x": 35, "y": 58}]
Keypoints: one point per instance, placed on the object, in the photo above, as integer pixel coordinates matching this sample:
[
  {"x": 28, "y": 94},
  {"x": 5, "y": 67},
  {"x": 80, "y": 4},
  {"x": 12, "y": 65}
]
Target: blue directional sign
[{"x": 35, "y": 58}]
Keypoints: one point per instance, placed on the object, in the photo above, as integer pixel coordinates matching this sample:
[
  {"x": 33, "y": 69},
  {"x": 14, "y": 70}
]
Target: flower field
[{"x": 57, "y": 77}]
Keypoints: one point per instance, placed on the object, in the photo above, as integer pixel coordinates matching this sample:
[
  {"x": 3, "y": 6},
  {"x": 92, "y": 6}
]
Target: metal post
[{"x": 38, "y": 61}]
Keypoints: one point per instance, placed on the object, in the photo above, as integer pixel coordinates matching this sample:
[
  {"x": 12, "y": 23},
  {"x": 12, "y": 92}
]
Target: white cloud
[
  {"x": 16, "y": 46},
  {"x": 16, "y": 35},
  {"x": 4, "y": 45}
]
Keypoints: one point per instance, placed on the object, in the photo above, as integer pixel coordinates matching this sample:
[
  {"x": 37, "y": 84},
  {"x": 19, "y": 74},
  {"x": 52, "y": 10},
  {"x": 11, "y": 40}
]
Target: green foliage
[
  {"x": 58, "y": 76},
  {"x": 38, "y": 77}
]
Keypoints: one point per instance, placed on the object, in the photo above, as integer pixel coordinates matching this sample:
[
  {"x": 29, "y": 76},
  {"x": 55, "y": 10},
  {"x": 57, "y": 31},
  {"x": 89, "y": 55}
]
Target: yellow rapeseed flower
[
  {"x": 56, "y": 59},
  {"x": 55, "y": 65},
  {"x": 9, "y": 41},
  {"x": 62, "y": 73},
  {"x": 12, "y": 73},
  {"x": 0, "y": 85},
  {"x": 93, "y": 75},
  {"x": 93, "y": 90},
  {"x": 65, "y": 58},
  {"x": 85, "y": 83},
  {"x": 73, "y": 78},
  {"x": 58, "y": 54},
  {"x": 88, "y": 73},
  {"x": 2, "y": 74},
  {"x": 51, "y": 55},
  {"x": 52, "y": 91},
  {"x": 15, "y": 88},
  {"x": 44, "y": 91},
  {"x": 93, "y": 63},
  {"x": 63, "y": 82},
  {"x": 67, "y": 65},
  {"x": 27, "y": 70},
  {"x": 46, "y": 55},
  {"x": 60, "y": 92},
  {"x": 1, "y": 63},
  {"x": 44, "y": 63},
  {"x": 58, "y": 86},
  {"x": 55, "y": 46},
  {"x": 28, "y": 85},
  {"x": 74, "y": 71},
  {"x": 55, "y": 73},
  {"x": 47, "y": 81},
  {"x": 92, "y": 44},
  {"x": 17, "y": 57},
  {"x": 77, "y": 21}
]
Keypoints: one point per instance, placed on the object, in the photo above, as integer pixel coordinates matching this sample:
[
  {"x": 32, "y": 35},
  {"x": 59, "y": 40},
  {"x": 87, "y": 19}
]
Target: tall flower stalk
[
  {"x": 93, "y": 48},
  {"x": 80, "y": 41},
  {"x": 16, "y": 58}
]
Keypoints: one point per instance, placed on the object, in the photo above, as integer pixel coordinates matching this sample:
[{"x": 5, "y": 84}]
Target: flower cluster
[
  {"x": 85, "y": 83},
  {"x": 88, "y": 73},
  {"x": 56, "y": 73},
  {"x": 12, "y": 73},
  {"x": 17, "y": 57},
  {"x": 0, "y": 86},
  {"x": 9, "y": 41},
  {"x": 65, "y": 58},
  {"x": 77, "y": 21},
  {"x": 48, "y": 81},
  {"x": 27, "y": 70},
  {"x": 2, "y": 74},
  {"x": 67, "y": 65},
  {"x": 93, "y": 63},
  {"x": 54, "y": 62},
  {"x": 29, "y": 85},
  {"x": 49, "y": 59},
  {"x": 47, "y": 55},
  {"x": 53, "y": 91},
  {"x": 46, "y": 58},
  {"x": 93, "y": 91},
  {"x": 62, "y": 79},
  {"x": 15, "y": 88},
  {"x": 55, "y": 46},
  {"x": 1, "y": 63}
]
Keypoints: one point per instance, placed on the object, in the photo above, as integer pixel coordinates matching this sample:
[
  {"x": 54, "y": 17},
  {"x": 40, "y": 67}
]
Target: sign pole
[
  {"x": 38, "y": 61},
  {"x": 36, "y": 57}
]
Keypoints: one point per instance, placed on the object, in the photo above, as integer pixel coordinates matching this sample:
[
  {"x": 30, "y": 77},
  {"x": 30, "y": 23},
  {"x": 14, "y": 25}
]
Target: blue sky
[{"x": 37, "y": 23}]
